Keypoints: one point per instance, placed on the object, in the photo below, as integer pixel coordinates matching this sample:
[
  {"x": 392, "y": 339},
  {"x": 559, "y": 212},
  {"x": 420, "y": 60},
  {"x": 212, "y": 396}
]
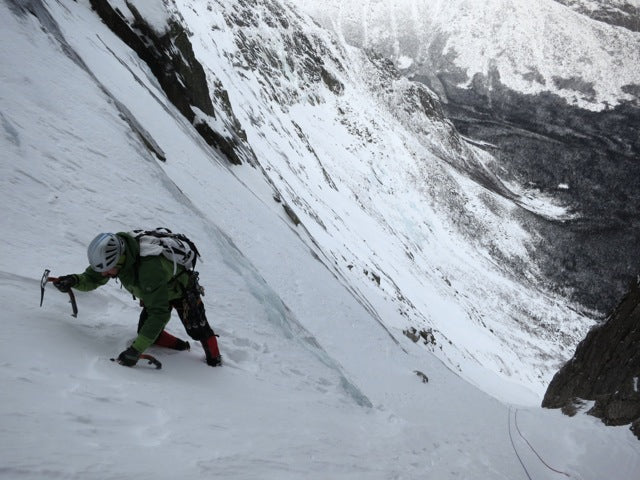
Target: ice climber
[{"x": 158, "y": 283}]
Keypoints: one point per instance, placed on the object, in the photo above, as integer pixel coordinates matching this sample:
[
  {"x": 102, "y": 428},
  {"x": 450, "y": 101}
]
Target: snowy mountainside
[
  {"x": 418, "y": 243},
  {"x": 374, "y": 198},
  {"x": 553, "y": 96},
  {"x": 313, "y": 385},
  {"x": 536, "y": 47},
  {"x": 624, "y": 13}
]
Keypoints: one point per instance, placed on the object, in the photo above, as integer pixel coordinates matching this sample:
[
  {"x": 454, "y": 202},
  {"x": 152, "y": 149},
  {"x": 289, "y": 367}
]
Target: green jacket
[{"x": 151, "y": 279}]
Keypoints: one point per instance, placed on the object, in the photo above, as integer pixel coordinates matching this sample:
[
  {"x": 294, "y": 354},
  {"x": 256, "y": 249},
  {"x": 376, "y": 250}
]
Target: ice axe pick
[{"x": 43, "y": 283}]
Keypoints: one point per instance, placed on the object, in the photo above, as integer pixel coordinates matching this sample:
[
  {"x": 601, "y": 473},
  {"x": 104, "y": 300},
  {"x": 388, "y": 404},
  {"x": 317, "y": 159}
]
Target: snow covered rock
[
  {"x": 624, "y": 13},
  {"x": 158, "y": 36}
]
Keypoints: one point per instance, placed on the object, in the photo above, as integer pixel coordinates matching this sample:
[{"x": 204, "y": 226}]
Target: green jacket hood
[{"x": 131, "y": 249}]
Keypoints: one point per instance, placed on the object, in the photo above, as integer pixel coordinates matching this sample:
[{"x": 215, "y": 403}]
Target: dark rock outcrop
[
  {"x": 171, "y": 58},
  {"x": 605, "y": 368}
]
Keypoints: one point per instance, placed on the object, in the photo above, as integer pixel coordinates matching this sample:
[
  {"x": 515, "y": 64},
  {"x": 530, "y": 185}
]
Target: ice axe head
[{"x": 43, "y": 283}]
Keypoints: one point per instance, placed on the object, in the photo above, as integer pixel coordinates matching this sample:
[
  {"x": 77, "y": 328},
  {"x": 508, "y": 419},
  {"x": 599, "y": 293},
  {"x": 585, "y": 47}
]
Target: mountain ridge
[
  {"x": 549, "y": 92},
  {"x": 319, "y": 377}
]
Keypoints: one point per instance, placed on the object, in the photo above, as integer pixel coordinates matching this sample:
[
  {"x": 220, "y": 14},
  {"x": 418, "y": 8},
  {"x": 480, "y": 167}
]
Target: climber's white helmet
[{"x": 105, "y": 251}]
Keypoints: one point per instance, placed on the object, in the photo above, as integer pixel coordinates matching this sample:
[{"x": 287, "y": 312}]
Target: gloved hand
[
  {"x": 65, "y": 282},
  {"x": 129, "y": 357}
]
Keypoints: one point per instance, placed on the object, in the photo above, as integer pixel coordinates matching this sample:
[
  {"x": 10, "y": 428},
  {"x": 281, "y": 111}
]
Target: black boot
[
  {"x": 214, "y": 361},
  {"x": 182, "y": 345}
]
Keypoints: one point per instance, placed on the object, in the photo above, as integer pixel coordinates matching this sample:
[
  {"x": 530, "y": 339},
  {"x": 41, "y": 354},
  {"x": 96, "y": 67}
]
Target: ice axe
[{"x": 43, "y": 283}]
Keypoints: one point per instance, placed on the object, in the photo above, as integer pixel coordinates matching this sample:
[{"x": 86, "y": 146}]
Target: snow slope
[
  {"x": 540, "y": 46},
  {"x": 382, "y": 203},
  {"x": 313, "y": 385}
]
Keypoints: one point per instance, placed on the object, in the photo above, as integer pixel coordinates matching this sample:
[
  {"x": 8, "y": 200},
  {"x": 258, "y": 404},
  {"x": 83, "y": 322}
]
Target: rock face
[
  {"x": 605, "y": 368},
  {"x": 170, "y": 57}
]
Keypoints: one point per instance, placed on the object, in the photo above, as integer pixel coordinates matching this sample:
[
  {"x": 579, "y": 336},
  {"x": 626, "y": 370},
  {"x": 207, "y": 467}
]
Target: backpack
[{"x": 173, "y": 246}]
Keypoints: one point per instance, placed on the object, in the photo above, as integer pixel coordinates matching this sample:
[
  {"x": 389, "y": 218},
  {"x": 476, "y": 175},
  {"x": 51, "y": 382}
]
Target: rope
[
  {"x": 533, "y": 449},
  {"x": 514, "y": 448}
]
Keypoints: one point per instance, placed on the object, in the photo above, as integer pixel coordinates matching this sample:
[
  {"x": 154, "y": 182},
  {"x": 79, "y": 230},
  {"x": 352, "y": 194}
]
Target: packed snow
[{"x": 318, "y": 379}]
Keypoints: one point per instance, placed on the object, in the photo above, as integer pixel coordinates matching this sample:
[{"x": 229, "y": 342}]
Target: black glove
[
  {"x": 65, "y": 283},
  {"x": 129, "y": 357}
]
